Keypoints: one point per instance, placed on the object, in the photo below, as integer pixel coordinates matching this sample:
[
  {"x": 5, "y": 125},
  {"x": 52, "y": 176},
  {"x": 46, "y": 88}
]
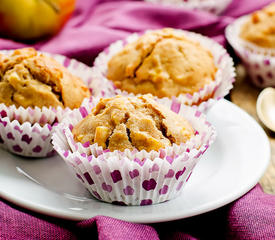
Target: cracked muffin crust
[
  {"x": 164, "y": 63},
  {"x": 121, "y": 123},
  {"x": 29, "y": 79},
  {"x": 260, "y": 27}
]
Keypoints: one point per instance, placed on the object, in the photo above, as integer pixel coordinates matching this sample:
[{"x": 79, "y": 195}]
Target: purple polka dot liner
[
  {"x": 259, "y": 62},
  {"x": 133, "y": 177},
  {"x": 27, "y": 131},
  {"x": 223, "y": 83},
  {"x": 211, "y": 6}
]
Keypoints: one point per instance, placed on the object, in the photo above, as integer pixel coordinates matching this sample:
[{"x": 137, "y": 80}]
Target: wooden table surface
[{"x": 244, "y": 94}]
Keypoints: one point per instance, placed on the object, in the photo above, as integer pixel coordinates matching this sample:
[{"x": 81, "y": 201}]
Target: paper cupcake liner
[
  {"x": 259, "y": 62},
  {"x": 212, "y": 6},
  {"x": 202, "y": 100},
  {"x": 26, "y": 139},
  {"x": 27, "y": 131},
  {"x": 134, "y": 177}
]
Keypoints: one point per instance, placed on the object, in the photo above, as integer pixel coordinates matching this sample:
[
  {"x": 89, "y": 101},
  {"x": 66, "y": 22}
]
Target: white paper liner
[
  {"x": 26, "y": 131},
  {"x": 225, "y": 75},
  {"x": 259, "y": 62},
  {"x": 212, "y": 6},
  {"x": 134, "y": 177}
]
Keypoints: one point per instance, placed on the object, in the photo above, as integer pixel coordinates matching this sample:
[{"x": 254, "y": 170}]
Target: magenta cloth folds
[
  {"x": 97, "y": 23},
  {"x": 94, "y": 25}
]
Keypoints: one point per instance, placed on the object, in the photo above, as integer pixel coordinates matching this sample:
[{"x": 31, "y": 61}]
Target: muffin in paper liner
[
  {"x": 202, "y": 100},
  {"x": 259, "y": 62},
  {"x": 27, "y": 131},
  {"x": 212, "y": 6},
  {"x": 133, "y": 177}
]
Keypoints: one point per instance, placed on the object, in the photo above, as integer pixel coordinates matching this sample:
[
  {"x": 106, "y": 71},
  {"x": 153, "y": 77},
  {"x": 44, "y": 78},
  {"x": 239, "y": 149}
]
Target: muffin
[
  {"x": 35, "y": 94},
  {"x": 253, "y": 39},
  {"x": 259, "y": 29},
  {"x": 29, "y": 79},
  {"x": 127, "y": 151},
  {"x": 166, "y": 63},
  {"x": 211, "y": 6},
  {"x": 122, "y": 123},
  {"x": 162, "y": 63}
]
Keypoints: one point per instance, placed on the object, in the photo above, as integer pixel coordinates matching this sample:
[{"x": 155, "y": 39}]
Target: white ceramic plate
[{"x": 231, "y": 167}]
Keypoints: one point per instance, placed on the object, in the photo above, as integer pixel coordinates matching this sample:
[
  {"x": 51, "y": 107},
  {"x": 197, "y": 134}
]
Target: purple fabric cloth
[
  {"x": 250, "y": 217},
  {"x": 94, "y": 25},
  {"x": 97, "y": 23}
]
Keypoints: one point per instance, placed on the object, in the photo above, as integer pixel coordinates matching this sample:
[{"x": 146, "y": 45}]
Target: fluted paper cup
[
  {"x": 212, "y": 6},
  {"x": 259, "y": 62},
  {"x": 203, "y": 99},
  {"x": 134, "y": 177},
  {"x": 27, "y": 131}
]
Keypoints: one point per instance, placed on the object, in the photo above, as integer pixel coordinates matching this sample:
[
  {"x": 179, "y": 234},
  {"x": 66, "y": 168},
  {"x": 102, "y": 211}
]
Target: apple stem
[{"x": 52, "y": 5}]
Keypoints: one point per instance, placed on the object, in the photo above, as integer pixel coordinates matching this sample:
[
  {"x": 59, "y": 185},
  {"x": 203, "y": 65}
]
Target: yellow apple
[{"x": 31, "y": 19}]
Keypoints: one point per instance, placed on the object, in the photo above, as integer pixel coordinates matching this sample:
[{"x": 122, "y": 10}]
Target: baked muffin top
[
  {"x": 121, "y": 123},
  {"x": 164, "y": 63},
  {"x": 29, "y": 79},
  {"x": 260, "y": 27}
]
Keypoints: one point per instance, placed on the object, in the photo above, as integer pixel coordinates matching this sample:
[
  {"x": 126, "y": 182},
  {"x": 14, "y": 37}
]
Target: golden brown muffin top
[
  {"x": 164, "y": 63},
  {"x": 121, "y": 123},
  {"x": 260, "y": 27},
  {"x": 29, "y": 79}
]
